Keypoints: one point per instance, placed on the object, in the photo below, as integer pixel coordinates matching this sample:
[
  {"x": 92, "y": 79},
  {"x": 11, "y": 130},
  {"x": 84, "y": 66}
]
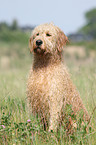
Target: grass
[
  {"x": 90, "y": 45},
  {"x": 15, "y": 126}
]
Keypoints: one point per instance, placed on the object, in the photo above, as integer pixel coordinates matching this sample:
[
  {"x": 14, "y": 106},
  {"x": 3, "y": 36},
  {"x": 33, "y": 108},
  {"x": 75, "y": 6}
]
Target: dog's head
[{"x": 47, "y": 38}]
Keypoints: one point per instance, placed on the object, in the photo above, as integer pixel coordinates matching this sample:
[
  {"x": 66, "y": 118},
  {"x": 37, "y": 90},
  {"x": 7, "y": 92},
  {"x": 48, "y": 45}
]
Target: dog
[{"x": 49, "y": 87}]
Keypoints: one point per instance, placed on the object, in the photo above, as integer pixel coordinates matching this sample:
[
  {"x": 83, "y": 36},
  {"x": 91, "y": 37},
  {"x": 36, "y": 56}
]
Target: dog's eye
[
  {"x": 37, "y": 34},
  {"x": 47, "y": 34}
]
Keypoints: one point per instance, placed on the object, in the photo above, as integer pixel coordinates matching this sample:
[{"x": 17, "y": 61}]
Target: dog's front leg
[{"x": 55, "y": 113}]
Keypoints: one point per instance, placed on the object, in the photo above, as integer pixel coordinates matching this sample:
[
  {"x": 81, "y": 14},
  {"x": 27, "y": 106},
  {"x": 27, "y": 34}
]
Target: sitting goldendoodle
[{"x": 49, "y": 87}]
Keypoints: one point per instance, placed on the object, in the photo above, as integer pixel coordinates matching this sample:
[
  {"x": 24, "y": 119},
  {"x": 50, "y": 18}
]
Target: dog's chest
[
  {"x": 41, "y": 81},
  {"x": 45, "y": 83}
]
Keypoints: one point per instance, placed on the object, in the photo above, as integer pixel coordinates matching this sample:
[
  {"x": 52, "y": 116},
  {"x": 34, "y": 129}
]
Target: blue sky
[{"x": 67, "y": 14}]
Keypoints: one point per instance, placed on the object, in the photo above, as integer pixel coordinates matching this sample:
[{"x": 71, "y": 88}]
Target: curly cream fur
[{"x": 49, "y": 86}]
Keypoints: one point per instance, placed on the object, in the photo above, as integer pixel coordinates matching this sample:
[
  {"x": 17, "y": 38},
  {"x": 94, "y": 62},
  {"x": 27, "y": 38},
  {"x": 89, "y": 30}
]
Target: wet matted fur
[{"x": 49, "y": 86}]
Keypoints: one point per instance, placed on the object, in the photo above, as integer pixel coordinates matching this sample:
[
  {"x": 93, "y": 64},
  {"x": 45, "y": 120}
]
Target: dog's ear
[
  {"x": 61, "y": 40},
  {"x": 30, "y": 44}
]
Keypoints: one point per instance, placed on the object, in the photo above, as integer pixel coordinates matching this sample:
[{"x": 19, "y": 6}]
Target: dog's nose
[{"x": 39, "y": 42}]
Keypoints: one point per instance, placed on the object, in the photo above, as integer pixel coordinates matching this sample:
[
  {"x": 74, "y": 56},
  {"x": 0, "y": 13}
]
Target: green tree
[
  {"x": 14, "y": 25},
  {"x": 90, "y": 27},
  {"x": 4, "y": 26}
]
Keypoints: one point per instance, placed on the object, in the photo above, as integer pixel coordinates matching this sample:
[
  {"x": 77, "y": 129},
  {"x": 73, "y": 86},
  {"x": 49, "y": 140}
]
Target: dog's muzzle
[{"x": 38, "y": 48}]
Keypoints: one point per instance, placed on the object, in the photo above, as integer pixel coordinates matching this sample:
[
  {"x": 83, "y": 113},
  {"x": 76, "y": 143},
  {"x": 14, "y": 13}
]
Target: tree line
[
  {"x": 13, "y": 26},
  {"x": 88, "y": 29}
]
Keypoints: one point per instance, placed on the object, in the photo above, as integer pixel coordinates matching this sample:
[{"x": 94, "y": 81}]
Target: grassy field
[{"x": 17, "y": 125}]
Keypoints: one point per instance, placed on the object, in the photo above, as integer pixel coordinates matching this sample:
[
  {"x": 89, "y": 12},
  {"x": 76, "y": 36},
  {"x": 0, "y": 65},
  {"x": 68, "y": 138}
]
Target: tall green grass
[
  {"x": 14, "y": 111},
  {"x": 90, "y": 45}
]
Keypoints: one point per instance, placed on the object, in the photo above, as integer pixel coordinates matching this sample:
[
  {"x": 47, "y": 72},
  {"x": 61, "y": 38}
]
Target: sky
[{"x": 67, "y": 14}]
